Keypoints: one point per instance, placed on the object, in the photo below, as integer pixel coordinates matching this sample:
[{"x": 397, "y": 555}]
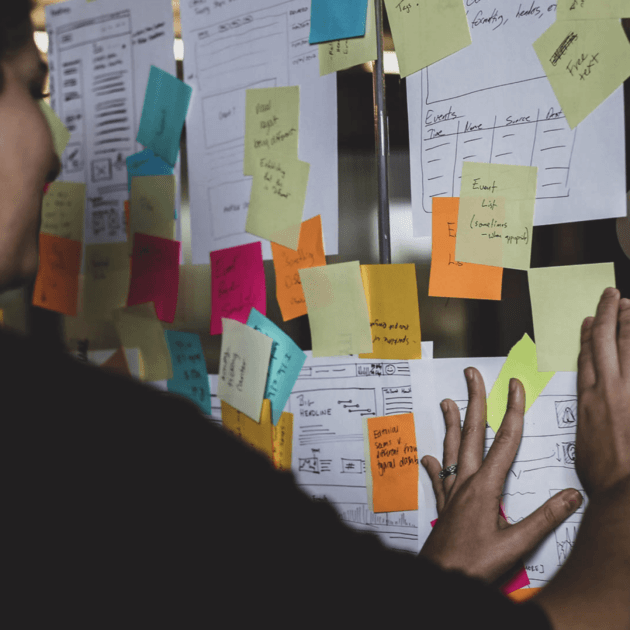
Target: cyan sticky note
[
  {"x": 284, "y": 367},
  {"x": 144, "y": 164},
  {"x": 163, "y": 114},
  {"x": 190, "y": 377},
  {"x": 332, "y": 19}
]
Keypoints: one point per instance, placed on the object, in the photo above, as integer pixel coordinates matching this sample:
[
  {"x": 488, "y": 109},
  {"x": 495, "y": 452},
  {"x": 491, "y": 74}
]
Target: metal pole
[{"x": 382, "y": 142}]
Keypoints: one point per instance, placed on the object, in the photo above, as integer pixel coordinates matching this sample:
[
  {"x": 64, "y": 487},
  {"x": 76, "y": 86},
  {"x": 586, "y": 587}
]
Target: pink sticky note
[
  {"x": 238, "y": 284},
  {"x": 155, "y": 274}
]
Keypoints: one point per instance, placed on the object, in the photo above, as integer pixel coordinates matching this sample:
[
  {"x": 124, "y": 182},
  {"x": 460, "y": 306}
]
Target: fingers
[
  {"x": 452, "y": 419},
  {"x": 604, "y": 340},
  {"x": 433, "y": 469},
  {"x": 624, "y": 335},
  {"x": 586, "y": 368},
  {"x": 473, "y": 434}
]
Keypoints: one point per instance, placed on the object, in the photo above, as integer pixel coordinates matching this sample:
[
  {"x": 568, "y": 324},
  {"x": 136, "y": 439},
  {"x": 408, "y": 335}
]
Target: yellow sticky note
[
  {"x": 283, "y": 442},
  {"x": 496, "y": 215},
  {"x": 63, "y": 210},
  {"x": 60, "y": 133},
  {"x": 561, "y": 298},
  {"x": 521, "y": 363},
  {"x": 425, "y": 31},
  {"x": 585, "y": 62},
  {"x": 592, "y": 9},
  {"x": 346, "y": 53},
  {"x": 258, "y": 434},
  {"x": 337, "y": 309},
  {"x": 277, "y": 199},
  {"x": 152, "y": 207},
  {"x": 392, "y": 298},
  {"x": 272, "y": 118}
]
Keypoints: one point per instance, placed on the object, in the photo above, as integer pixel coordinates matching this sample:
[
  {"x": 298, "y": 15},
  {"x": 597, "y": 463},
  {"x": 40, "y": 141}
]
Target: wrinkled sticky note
[
  {"x": 450, "y": 278},
  {"x": 521, "y": 363},
  {"x": 258, "y": 434},
  {"x": 346, "y": 53},
  {"x": 496, "y": 215},
  {"x": 138, "y": 327},
  {"x": 238, "y": 284},
  {"x": 144, "y": 164},
  {"x": 62, "y": 210},
  {"x": 271, "y": 123},
  {"x": 106, "y": 280},
  {"x": 59, "y": 132},
  {"x": 392, "y": 298},
  {"x": 331, "y": 19},
  {"x": 283, "y": 442},
  {"x": 155, "y": 274},
  {"x": 151, "y": 206},
  {"x": 57, "y": 281},
  {"x": 287, "y": 263},
  {"x": 190, "y": 376},
  {"x": 585, "y": 62},
  {"x": 561, "y": 298},
  {"x": 592, "y": 9},
  {"x": 245, "y": 355},
  {"x": 394, "y": 463},
  {"x": 425, "y": 31},
  {"x": 337, "y": 309},
  {"x": 163, "y": 114},
  {"x": 286, "y": 362},
  {"x": 277, "y": 199}
]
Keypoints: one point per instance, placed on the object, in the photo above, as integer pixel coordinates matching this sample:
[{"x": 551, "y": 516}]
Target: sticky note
[
  {"x": 106, "y": 280},
  {"x": 331, "y": 19},
  {"x": 151, "y": 206},
  {"x": 63, "y": 210},
  {"x": 585, "y": 62},
  {"x": 271, "y": 123},
  {"x": 592, "y": 9},
  {"x": 282, "y": 435},
  {"x": 138, "y": 327},
  {"x": 425, "y": 31},
  {"x": 450, "y": 278},
  {"x": 337, "y": 309},
  {"x": 521, "y": 363},
  {"x": 257, "y": 433},
  {"x": 190, "y": 376},
  {"x": 287, "y": 264},
  {"x": 59, "y": 132},
  {"x": 394, "y": 462},
  {"x": 286, "y": 362},
  {"x": 163, "y": 114},
  {"x": 238, "y": 284},
  {"x": 277, "y": 199},
  {"x": 57, "y": 282},
  {"x": 392, "y": 298},
  {"x": 561, "y": 298},
  {"x": 146, "y": 163},
  {"x": 496, "y": 215}
]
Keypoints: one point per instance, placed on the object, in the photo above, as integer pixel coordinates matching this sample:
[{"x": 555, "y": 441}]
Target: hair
[{"x": 15, "y": 28}]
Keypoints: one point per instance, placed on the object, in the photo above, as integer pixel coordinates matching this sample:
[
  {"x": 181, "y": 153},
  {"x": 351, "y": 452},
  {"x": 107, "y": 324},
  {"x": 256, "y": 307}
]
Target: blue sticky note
[
  {"x": 163, "y": 114},
  {"x": 190, "y": 377},
  {"x": 144, "y": 164},
  {"x": 286, "y": 362},
  {"x": 337, "y": 19}
]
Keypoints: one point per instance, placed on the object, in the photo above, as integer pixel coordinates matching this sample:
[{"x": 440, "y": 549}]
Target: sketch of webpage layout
[
  {"x": 235, "y": 46},
  {"x": 491, "y": 102},
  {"x": 100, "y": 55}
]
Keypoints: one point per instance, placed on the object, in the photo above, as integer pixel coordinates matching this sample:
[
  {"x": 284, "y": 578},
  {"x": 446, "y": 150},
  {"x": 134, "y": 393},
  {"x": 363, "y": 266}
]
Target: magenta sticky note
[
  {"x": 238, "y": 284},
  {"x": 155, "y": 274}
]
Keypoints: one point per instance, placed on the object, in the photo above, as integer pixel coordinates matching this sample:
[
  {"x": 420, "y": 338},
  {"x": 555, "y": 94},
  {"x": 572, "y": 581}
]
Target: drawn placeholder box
[{"x": 228, "y": 207}]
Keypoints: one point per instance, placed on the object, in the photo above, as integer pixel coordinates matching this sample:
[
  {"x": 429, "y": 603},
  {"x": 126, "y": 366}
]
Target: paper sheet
[
  {"x": 146, "y": 163},
  {"x": 258, "y": 434},
  {"x": 59, "y": 132},
  {"x": 282, "y": 434},
  {"x": 493, "y": 103},
  {"x": 331, "y": 19},
  {"x": 62, "y": 210},
  {"x": 592, "y": 9},
  {"x": 232, "y": 47},
  {"x": 151, "y": 206}
]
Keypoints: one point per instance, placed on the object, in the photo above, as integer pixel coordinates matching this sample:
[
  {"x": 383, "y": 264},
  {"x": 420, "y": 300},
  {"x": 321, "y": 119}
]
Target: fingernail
[
  {"x": 574, "y": 499},
  {"x": 444, "y": 406},
  {"x": 512, "y": 385},
  {"x": 587, "y": 322},
  {"x": 609, "y": 292},
  {"x": 470, "y": 374}
]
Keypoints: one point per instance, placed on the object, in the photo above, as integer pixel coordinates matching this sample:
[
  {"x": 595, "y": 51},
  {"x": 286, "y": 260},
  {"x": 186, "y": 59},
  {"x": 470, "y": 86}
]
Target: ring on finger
[{"x": 449, "y": 470}]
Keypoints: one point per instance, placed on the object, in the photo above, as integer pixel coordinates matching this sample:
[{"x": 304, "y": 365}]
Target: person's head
[{"x": 27, "y": 156}]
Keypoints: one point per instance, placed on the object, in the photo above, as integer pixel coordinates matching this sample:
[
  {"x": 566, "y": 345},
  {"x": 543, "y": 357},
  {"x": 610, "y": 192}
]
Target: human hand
[{"x": 469, "y": 535}]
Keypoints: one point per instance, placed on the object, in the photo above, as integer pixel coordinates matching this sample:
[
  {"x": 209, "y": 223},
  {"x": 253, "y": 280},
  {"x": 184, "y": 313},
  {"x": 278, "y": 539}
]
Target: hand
[{"x": 470, "y": 536}]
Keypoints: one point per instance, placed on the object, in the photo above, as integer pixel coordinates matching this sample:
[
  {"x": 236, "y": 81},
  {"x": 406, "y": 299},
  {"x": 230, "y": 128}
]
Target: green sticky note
[
  {"x": 426, "y": 31},
  {"x": 272, "y": 117},
  {"x": 521, "y": 364},
  {"x": 496, "y": 215},
  {"x": 346, "y": 53},
  {"x": 585, "y": 62},
  {"x": 151, "y": 207},
  {"x": 63, "y": 210},
  {"x": 337, "y": 309},
  {"x": 277, "y": 199},
  {"x": 60, "y": 133},
  {"x": 561, "y": 298},
  {"x": 592, "y": 9}
]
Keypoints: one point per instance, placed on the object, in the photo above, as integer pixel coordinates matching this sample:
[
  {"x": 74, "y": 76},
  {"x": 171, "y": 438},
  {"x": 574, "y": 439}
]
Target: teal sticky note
[
  {"x": 284, "y": 367},
  {"x": 163, "y": 114},
  {"x": 332, "y": 19},
  {"x": 190, "y": 377},
  {"x": 144, "y": 164}
]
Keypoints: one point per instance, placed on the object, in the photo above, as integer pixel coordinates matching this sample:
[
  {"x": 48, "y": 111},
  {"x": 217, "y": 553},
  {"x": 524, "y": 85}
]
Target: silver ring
[{"x": 449, "y": 470}]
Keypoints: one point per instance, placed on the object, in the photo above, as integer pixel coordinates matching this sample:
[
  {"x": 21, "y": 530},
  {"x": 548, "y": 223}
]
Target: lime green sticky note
[
  {"x": 337, "y": 309},
  {"x": 60, "y": 133},
  {"x": 426, "y": 31},
  {"x": 272, "y": 118},
  {"x": 521, "y": 364},
  {"x": 496, "y": 215},
  {"x": 151, "y": 208},
  {"x": 592, "y": 9},
  {"x": 585, "y": 62},
  {"x": 63, "y": 210},
  {"x": 277, "y": 199},
  {"x": 561, "y": 298},
  {"x": 346, "y": 53}
]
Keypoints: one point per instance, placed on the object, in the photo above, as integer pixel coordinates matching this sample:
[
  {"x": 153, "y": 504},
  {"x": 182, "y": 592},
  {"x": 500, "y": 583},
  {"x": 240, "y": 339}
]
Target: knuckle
[{"x": 549, "y": 515}]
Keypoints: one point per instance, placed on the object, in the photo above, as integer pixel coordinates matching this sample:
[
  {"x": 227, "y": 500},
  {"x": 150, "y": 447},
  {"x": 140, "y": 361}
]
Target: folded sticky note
[
  {"x": 283, "y": 442},
  {"x": 151, "y": 206},
  {"x": 592, "y": 9},
  {"x": 60, "y": 133},
  {"x": 63, "y": 209},
  {"x": 258, "y": 434},
  {"x": 331, "y": 19},
  {"x": 146, "y": 163}
]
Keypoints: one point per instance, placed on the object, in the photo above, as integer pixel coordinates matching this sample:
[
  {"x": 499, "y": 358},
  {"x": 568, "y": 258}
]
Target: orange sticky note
[
  {"x": 394, "y": 462},
  {"x": 283, "y": 442},
  {"x": 287, "y": 263},
  {"x": 256, "y": 434},
  {"x": 456, "y": 279},
  {"x": 57, "y": 282}
]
